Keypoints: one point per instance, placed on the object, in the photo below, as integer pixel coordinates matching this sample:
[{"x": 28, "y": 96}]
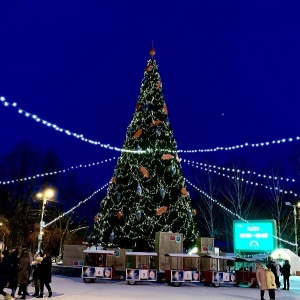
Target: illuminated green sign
[{"x": 254, "y": 236}]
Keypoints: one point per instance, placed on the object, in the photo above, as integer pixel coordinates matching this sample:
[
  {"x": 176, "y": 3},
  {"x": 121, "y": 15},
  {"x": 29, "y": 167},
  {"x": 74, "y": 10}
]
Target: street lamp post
[
  {"x": 44, "y": 196},
  {"x": 295, "y": 223}
]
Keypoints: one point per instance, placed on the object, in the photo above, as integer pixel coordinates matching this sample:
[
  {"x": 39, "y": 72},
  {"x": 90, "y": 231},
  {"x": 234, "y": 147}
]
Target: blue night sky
[{"x": 230, "y": 73}]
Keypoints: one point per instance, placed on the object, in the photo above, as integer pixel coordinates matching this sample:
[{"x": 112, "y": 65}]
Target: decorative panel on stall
[
  {"x": 73, "y": 255},
  {"x": 120, "y": 258},
  {"x": 206, "y": 263},
  {"x": 205, "y": 245},
  {"x": 167, "y": 242},
  {"x": 190, "y": 264}
]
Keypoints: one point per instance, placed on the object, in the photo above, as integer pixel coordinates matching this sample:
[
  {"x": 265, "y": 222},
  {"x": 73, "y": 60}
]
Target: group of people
[
  {"x": 268, "y": 278},
  {"x": 18, "y": 271}
]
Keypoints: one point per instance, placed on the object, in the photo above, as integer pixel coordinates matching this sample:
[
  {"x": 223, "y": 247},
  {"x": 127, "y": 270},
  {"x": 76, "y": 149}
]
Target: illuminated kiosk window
[{"x": 254, "y": 236}]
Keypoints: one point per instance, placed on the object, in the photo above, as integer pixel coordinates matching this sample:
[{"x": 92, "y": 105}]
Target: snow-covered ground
[{"x": 73, "y": 288}]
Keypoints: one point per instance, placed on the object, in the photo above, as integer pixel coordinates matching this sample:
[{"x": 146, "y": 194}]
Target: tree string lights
[
  {"x": 57, "y": 172},
  {"x": 231, "y": 212},
  {"x": 139, "y": 151},
  {"x": 147, "y": 193},
  {"x": 76, "y": 206},
  {"x": 206, "y": 168}
]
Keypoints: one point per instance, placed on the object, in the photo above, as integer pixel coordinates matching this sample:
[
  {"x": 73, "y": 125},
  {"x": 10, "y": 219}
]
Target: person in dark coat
[
  {"x": 4, "y": 272},
  {"x": 286, "y": 273},
  {"x": 272, "y": 266},
  {"x": 46, "y": 274},
  {"x": 13, "y": 275},
  {"x": 24, "y": 268},
  {"x": 36, "y": 275}
]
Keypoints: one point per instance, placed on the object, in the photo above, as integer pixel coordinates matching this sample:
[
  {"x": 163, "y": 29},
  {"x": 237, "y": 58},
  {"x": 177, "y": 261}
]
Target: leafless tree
[
  {"x": 208, "y": 212},
  {"x": 277, "y": 198},
  {"x": 239, "y": 193}
]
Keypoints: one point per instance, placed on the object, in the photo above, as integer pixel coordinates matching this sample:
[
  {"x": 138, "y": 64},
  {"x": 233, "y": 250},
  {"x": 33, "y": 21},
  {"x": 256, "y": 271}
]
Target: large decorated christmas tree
[{"x": 147, "y": 192}]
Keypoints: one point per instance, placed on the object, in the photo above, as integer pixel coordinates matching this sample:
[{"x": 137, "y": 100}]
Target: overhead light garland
[
  {"x": 236, "y": 170},
  {"x": 140, "y": 151},
  {"x": 242, "y": 179},
  {"x": 231, "y": 212},
  {"x": 68, "y": 132},
  {"x": 57, "y": 172},
  {"x": 245, "y": 145},
  {"x": 76, "y": 206}
]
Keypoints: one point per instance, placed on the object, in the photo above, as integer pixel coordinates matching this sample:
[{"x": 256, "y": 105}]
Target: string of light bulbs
[
  {"x": 67, "y": 132},
  {"x": 108, "y": 146},
  {"x": 76, "y": 206},
  {"x": 231, "y": 212},
  {"x": 237, "y": 170},
  {"x": 57, "y": 172},
  {"x": 241, "y": 146},
  {"x": 242, "y": 179}
]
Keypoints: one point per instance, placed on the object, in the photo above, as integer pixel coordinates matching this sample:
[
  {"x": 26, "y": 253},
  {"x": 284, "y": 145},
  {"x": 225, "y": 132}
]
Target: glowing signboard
[{"x": 254, "y": 236}]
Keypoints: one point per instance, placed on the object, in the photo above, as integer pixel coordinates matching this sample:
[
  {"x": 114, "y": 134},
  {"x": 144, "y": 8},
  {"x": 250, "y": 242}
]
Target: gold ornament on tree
[
  {"x": 155, "y": 122},
  {"x": 167, "y": 156},
  {"x": 184, "y": 192},
  {"x": 138, "y": 133},
  {"x": 144, "y": 171},
  {"x": 148, "y": 68},
  {"x": 165, "y": 109},
  {"x": 161, "y": 210}
]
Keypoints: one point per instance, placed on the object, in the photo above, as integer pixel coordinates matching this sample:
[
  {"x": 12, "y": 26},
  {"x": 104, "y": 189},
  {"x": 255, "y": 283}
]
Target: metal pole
[
  {"x": 295, "y": 226},
  {"x": 40, "y": 237}
]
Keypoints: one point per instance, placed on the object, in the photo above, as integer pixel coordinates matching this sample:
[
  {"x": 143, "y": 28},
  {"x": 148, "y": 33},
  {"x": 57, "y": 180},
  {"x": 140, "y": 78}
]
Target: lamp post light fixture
[
  {"x": 295, "y": 223},
  {"x": 45, "y": 196}
]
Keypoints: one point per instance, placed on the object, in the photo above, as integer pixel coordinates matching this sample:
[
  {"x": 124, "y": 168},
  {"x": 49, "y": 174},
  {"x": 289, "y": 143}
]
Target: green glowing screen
[{"x": 254, "y": 236}]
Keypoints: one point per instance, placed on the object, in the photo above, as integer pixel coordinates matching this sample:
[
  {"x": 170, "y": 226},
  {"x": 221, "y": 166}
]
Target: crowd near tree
[{"x": 18, "y": 272}]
